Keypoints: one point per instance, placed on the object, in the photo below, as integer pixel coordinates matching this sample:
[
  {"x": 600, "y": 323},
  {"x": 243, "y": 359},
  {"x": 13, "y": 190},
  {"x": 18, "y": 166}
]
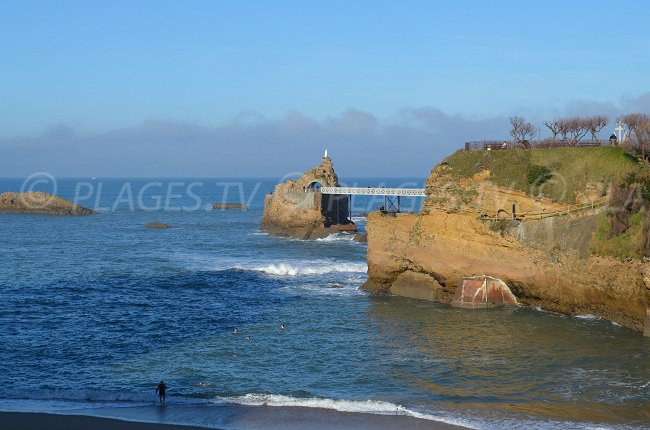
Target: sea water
[{"x": 96, "y": 310}]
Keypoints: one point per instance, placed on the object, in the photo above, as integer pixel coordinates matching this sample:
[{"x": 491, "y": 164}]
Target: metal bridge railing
[{"x": 368, "y": 191}]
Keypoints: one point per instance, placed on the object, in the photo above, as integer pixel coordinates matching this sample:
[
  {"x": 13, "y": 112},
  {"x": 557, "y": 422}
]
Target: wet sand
[
  {"x": 215, "y": 417},
  {"x": 37, "y": 421}
]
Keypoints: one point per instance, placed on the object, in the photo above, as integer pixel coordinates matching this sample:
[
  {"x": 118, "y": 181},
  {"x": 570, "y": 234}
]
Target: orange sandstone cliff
[
  {"x": 297, "y": 209},
  {"x": 542, "y": 253}
]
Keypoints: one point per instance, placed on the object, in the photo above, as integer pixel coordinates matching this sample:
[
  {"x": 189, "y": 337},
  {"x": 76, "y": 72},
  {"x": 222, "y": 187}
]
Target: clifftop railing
[{"x": 495, "y": 145}]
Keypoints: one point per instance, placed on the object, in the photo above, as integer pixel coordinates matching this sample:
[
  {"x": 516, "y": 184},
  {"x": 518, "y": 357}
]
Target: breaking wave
[
  {"x": 588, "y": 317},
  {"x": 286, "y": 269},
  {"x": 338, "y": 237},
  {"x": 377, "y": 407}
]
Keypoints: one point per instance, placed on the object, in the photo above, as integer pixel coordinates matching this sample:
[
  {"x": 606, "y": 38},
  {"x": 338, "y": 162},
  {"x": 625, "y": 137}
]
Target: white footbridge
[
  {"x": 369, "y": 191},
  {"x": 392, "y": 196}
]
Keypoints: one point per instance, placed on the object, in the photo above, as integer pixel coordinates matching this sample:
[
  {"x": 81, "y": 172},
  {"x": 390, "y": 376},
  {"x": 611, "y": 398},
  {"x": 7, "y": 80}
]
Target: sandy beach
[
  {"x": 29, "y": 420},
  {"x": 215, "y": 417}
]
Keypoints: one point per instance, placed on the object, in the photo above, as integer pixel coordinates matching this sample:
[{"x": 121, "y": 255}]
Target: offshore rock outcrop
[
  {"x": 36, "y": 202},
  {"x": 545, "y": 263},
  {"x": 158, "y": 225},
  {"x": 297, "y": 209}
]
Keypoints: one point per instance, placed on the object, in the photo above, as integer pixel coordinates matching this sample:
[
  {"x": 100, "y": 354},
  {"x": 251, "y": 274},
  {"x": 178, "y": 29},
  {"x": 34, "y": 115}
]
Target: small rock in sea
[
  {"x": 230, "y": 206},
  {"x": 335, "y": 286},
  {"x": 361, "y": 237},
  {"x": 157, "y": 225}
]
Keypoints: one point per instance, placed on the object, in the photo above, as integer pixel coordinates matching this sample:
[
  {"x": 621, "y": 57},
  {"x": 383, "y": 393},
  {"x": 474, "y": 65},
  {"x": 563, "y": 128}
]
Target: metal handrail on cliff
[
  {"x": 525, "y": 215},
  {"x": 569, "y": 210}
]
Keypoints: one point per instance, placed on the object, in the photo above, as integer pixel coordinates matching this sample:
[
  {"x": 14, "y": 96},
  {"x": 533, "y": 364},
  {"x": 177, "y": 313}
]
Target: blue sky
[{"x": 95, "y": 88}]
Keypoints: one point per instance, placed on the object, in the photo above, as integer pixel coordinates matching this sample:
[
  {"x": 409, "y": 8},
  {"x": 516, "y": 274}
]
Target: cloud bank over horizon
[{"x": 362, "y": 144}]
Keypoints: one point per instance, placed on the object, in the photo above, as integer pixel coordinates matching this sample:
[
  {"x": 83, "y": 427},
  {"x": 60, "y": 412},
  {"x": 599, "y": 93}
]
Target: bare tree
[
  {"x": 564, "y": 127},
  {"x": 637, "y": 132},
  {"x": 643, "y": 140},
  {"x": 577, "y": 128},
  {"x": 574, "y": 129},
  {"x": 596, "y": 123},
  {"x": 554, "y": 126},
  {"x": 631, "y": 122},
  {"x": 522, "y": 131}
]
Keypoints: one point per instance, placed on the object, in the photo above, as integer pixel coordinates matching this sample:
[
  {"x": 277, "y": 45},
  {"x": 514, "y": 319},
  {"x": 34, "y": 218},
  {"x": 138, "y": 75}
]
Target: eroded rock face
[
  {"x": 483, "y": 292},
  {"x": 417, "y": 285},
  {"x": 36, "y": 202},
  {"x": 428, "y": 255},
  {"x": 295, "y": 208}
]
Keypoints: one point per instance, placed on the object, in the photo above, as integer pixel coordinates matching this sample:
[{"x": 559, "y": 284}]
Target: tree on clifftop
[
  {"x": 574, "y": 129},
  {"x": 637, "y": 133},
  {"x": 643, "y": 140},
  {"x": 595, "y": 124},
  {"x": 554, "y": 126},
  {"x": 522, "y": 131}
]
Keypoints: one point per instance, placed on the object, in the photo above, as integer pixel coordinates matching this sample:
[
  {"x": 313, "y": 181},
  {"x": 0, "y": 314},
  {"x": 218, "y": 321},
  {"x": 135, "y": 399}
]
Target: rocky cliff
[
  {"x": 297, "y": 209},
  {"x": 541, "y": 251},
  {"x": 36, "y": 202}
]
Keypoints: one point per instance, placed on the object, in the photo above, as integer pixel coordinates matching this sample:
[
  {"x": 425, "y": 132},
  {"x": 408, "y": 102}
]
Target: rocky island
[
  {"x": 565, "y": 230},
  {"x": 36, "y": 202},
  {"x": 298, "y": 209}
]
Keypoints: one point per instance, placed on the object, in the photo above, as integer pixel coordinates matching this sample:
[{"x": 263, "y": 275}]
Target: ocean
[{"x": 96, "y": 310}]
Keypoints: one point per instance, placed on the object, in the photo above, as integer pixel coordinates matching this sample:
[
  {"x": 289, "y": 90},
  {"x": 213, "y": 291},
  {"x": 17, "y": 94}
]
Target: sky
[{"x": 261, "y": 88}]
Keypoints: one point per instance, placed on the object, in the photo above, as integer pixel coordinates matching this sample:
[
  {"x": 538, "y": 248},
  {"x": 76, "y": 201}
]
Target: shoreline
[
  {"x": 55, "y": 421},
  {"x": 221, "y": 417}
]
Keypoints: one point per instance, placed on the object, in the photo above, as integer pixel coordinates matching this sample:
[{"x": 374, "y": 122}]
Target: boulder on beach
[
  {"x": 37, "y": 202},
  {"x": 156, "y": 224}
]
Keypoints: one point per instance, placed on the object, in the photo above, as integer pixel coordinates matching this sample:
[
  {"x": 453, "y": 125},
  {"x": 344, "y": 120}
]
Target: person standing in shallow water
[{"x": 160, "y": 390}]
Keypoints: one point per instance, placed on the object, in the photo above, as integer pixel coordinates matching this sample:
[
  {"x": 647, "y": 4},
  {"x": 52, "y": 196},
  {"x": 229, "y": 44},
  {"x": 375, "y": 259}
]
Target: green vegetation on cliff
[
  {"x": 570, "y": 176},
  {"x": 559, "y": 174},
  {"x": 624, "y": 229}
]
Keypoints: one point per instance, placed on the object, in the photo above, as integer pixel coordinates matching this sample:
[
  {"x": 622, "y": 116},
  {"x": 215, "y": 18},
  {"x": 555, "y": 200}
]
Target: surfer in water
[{"x": 160, "y": 390}]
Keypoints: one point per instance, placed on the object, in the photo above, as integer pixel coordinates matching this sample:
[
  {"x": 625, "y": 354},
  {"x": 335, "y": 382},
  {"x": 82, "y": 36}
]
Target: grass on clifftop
[{"x": 558, "y": 174}]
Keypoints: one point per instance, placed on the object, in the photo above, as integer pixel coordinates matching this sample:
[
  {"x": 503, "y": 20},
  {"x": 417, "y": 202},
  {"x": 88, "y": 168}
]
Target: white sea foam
[
  {"x": 588, "y": 317},
  {"x": 347, "y": 288},
  {"x": 310, "y": 269},
  {"x": 358, "y": 219},
  {"x": 258, "y": 233},
  {"x": 377, "y": 407},
  {"x": 337, "y": 237},
  {"x": 273, "y": 268}
]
